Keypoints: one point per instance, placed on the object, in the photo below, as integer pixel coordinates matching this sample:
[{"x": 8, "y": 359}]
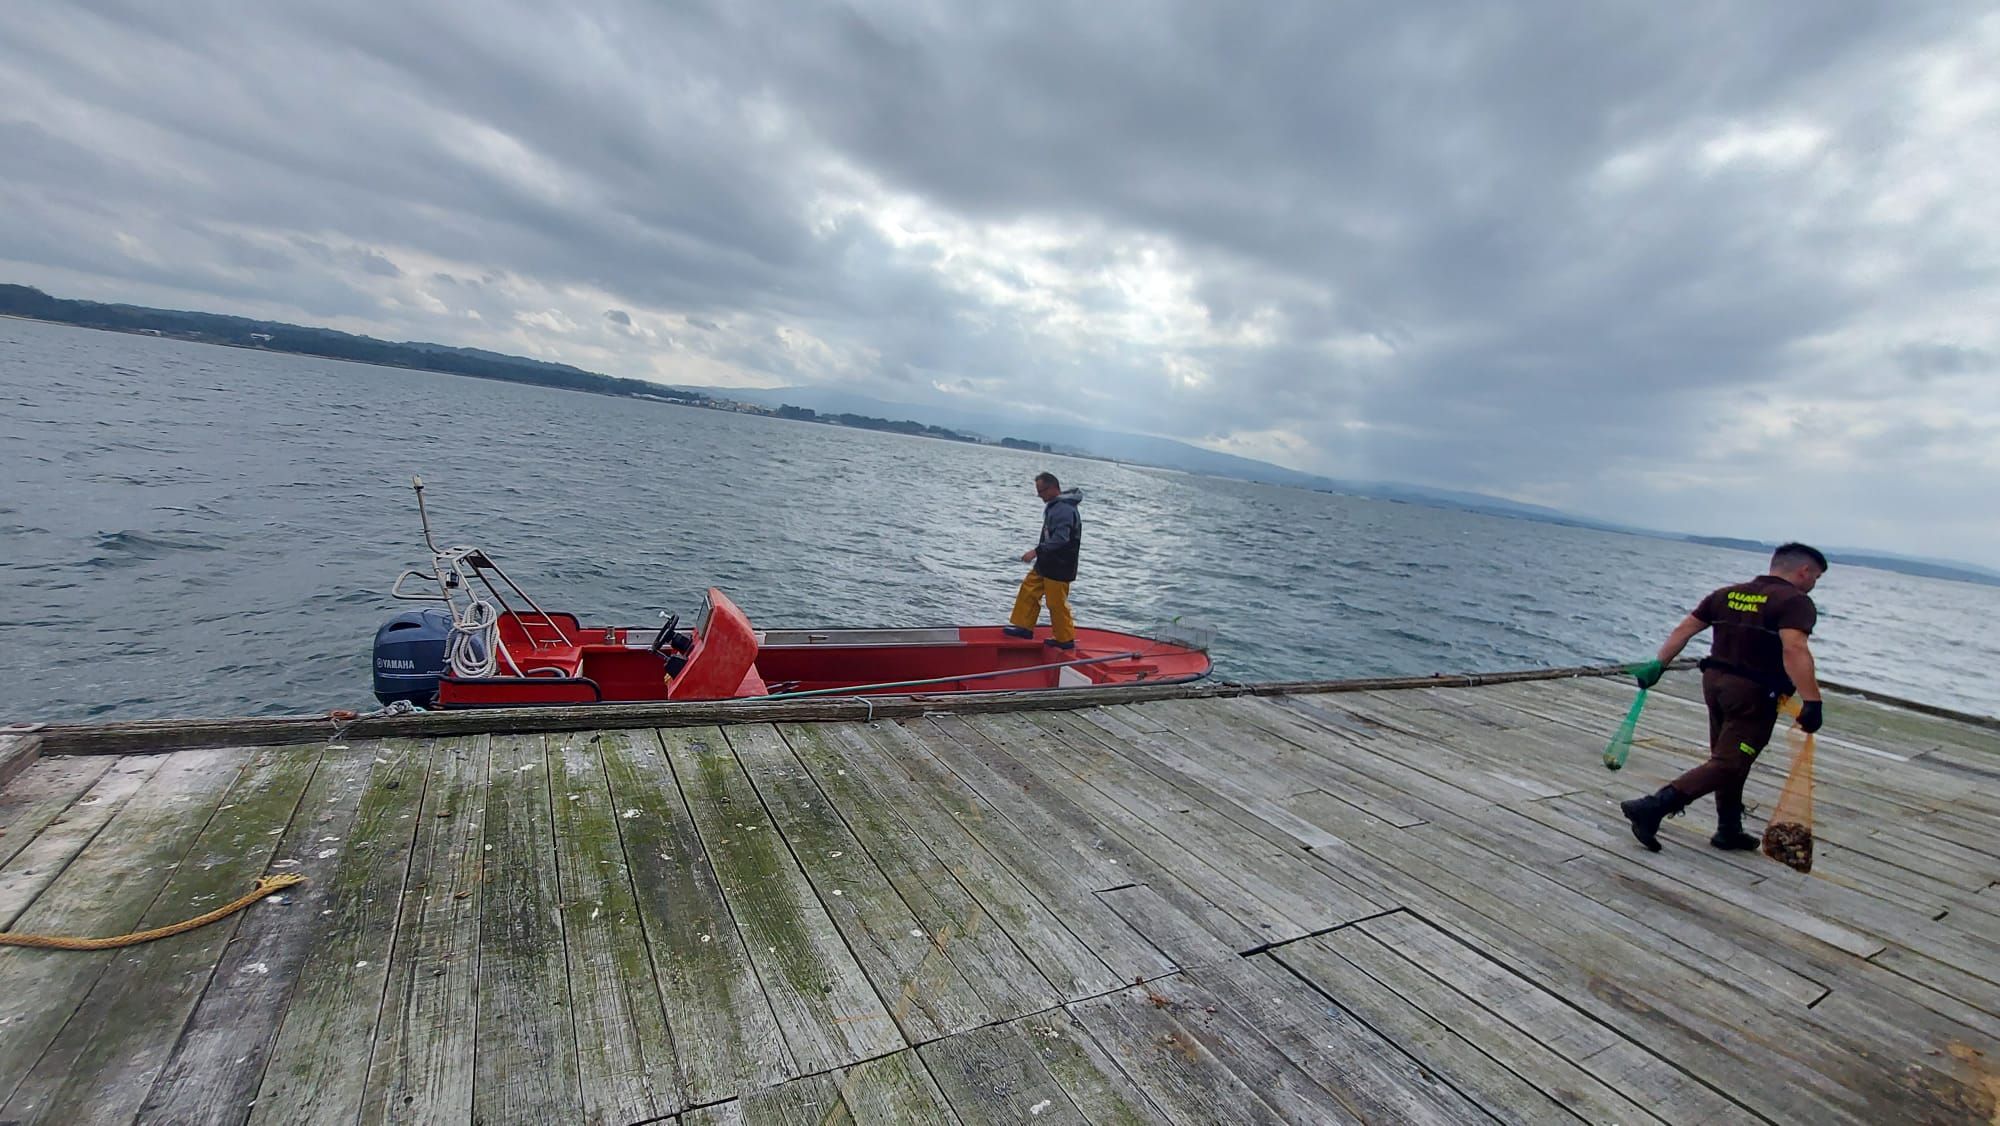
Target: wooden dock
[{"x": 1416, "y": 905}]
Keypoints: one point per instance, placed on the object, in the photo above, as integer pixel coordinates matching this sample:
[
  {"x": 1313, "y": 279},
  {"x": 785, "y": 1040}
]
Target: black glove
[
  {"x": 1649, "y": 673},
  {"x": 1809, "y": 717}
]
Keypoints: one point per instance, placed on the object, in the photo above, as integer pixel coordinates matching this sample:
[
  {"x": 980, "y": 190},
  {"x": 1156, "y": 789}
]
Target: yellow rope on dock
[{"x": 265, "y": 886}]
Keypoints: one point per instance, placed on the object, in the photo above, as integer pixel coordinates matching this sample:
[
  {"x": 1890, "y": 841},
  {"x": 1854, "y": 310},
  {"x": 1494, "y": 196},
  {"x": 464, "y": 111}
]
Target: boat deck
[{"x": 1392, "y": 906}]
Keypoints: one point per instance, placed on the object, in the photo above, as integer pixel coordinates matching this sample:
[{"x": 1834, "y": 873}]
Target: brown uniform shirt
[{"x": 1746, "y": 619}]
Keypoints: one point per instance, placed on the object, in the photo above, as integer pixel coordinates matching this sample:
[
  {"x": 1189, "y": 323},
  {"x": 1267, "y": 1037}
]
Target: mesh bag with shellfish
[{"x": 1788, "y": 836}]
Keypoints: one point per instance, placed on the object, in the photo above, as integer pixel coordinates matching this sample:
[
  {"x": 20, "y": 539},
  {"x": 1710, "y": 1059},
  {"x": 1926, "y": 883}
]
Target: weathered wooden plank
[
  {"x": 726, "y": 1037},
  {"x": 894, "y": 1088},
  {"x": 1973, "y": 838},
  {"x": 1441, "y": 1044},
  {"x": 625, "y": 1049},
  {"x": 1041, "y": 838},
  {"x": 1394, "y": 775},
  {"x": 1371, "y": 1077},
  {"x": 1702, "y": 1024},
  {"x": 1094, "y": 1082},
  {"x": 1640, "y": 972},
  {"x": 1957, "y": 858},
  {"x": 526, "y": 1067},
  {"x": 216, "y": 1066},
  {"x": 949, "y": 877},
  {"x": 992, "y": 960},
  {"x": 319, "y": 1063},
  {"x": 62, "y": 837},
  {"x": 103, "y": 1062},
  {"x": 1274, "y": 857},
  {"x": 1266, "y": 736},
  {"x": 1212, "y": 763},
  {"x": 1098, "y": 857},
  {"x": 1269, "y": 809},
  {"x": 996, "y": 1076},
  {"x": 18, "y": 751},
  {"x": 1466, "y": 979},
  {"x": 106, "y": 891},
  {"x": 811, "y": 1101},
  {"x": 1338, "y": 819},
  {"x": 1674, "y": 912},
  {"x": 1811, "y": 904},
  {"x": 1210, "y": 1068},
  {"x": 908, "y": 959},
  {"x": 715, "y": 1114},
  {"x": 1592, "y": 826},
  {"x": 1482, "y": 853},
  {"x": 41, "y": 794},
  {"x": 829, "y": 1012},
  {"x": 1552, "y": 1068},
  {"x": 1608, "y": 1055},
  {"x": 1149, "y": 851},
  {"x": 1423, "y": 772},
  {"x": 1146, "y": 911},
  {"x": 1691, "y": 917},
  {"x": 421, "y": 1066},
  {"x": 1966, "y": 988},
  {"x": 1274, "y": 888}
]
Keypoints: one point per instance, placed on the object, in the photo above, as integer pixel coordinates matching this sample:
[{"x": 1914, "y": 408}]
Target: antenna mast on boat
[{"x": 423, "y": 514}]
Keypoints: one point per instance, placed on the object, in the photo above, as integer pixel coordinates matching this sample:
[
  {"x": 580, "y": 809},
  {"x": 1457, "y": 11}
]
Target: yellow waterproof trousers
[{"x": 1028, "y": 606}]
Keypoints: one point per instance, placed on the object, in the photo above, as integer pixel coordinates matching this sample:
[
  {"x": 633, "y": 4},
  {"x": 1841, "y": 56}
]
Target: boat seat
[
  {"x": 567, "y": 659},
  {"x": 724, "y": 653}
]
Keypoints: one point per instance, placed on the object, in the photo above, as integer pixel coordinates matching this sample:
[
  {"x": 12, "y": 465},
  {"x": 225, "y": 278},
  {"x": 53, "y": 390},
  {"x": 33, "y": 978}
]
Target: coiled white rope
[{"x": 473, "y": 649}]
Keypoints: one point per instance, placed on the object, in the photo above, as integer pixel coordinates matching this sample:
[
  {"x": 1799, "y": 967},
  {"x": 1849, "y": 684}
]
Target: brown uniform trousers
[{"x": 1741, "y": 715}]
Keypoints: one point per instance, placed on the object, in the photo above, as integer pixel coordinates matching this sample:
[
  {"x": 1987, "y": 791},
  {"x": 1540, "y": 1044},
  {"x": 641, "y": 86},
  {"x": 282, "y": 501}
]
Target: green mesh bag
[
  {"x": 1621, "y": 741},
  {"x": 1621, "y": 747}
]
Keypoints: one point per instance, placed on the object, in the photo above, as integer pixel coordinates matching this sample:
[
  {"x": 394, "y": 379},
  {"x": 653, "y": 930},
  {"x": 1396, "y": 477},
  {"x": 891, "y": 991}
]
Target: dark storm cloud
[{"x": 1537, "y": 251}]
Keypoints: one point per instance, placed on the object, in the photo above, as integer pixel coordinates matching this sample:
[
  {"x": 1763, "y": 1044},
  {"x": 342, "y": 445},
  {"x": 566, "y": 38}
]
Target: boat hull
[{"x": 579, "y": 664}]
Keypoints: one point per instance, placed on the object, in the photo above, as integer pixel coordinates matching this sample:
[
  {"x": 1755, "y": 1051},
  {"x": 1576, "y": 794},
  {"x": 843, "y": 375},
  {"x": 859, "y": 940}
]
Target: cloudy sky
[{"x": 1730, "y": 268}]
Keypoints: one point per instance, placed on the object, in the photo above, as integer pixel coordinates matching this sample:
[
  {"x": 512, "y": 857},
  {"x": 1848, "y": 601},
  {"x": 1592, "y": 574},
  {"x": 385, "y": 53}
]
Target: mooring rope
[{"x": 265, "y": 886}]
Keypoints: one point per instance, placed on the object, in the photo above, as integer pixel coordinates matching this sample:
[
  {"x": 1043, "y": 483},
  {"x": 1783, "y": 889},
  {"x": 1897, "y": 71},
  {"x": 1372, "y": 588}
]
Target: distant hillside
[
  {"x": 276, "y": 336},
  {"x": 1879, "y": 560}
]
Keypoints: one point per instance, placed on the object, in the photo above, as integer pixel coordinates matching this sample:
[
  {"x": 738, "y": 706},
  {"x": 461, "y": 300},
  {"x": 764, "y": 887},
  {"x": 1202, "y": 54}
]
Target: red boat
[{"x": 486, "y": 650}]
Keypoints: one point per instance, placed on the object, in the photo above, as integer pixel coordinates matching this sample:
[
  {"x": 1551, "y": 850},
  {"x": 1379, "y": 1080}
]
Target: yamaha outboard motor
[{"x": 409, "y": 656}]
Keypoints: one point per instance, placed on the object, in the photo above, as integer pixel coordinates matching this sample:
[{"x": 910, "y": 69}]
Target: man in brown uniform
[{"x": 1759, "y": 654}]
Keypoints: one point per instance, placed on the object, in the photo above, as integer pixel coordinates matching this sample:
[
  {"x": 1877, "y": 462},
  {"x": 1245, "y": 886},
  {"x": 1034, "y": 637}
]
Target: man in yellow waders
[{"x": 1055, "y": 566}]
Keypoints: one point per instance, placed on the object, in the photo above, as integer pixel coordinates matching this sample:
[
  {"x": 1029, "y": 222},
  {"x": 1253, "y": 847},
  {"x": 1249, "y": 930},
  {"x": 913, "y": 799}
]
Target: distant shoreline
[{"x": 236, "y": 332}]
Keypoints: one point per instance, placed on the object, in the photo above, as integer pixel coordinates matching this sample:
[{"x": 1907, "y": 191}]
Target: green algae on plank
[
  {"x": 320, "y": 1060},
  {"x": 626, "y": 1053},
  {"x": 105, "y": 891},
  {"x": 725, "y": 1035},
  {"x": 421, "y": 1067},
  {"x": 104, "y": 1061},
  {"x": 893, "y": 1088},
  {"x": 830, "y": 1014},
  {"x": 1028, "y": 955},
  {"x": 909, "y": 957},
  {"x": 526, "y": 1067},
  {"x": 218, "y": 1059}
]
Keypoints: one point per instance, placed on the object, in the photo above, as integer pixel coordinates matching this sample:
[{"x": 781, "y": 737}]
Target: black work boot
[
  {"x": 1646, "y": 814},
  {"x": 1729, "y": 834}
]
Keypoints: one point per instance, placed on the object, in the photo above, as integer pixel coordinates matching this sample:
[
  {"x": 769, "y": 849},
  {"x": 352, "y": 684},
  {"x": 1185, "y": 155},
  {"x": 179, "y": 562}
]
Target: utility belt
[{"x": 1782, "y": 686}]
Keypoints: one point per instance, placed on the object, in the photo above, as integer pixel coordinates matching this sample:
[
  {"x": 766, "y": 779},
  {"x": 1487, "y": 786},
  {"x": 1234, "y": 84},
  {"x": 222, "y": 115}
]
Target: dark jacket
[{"x": 1062, "y": 538}]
